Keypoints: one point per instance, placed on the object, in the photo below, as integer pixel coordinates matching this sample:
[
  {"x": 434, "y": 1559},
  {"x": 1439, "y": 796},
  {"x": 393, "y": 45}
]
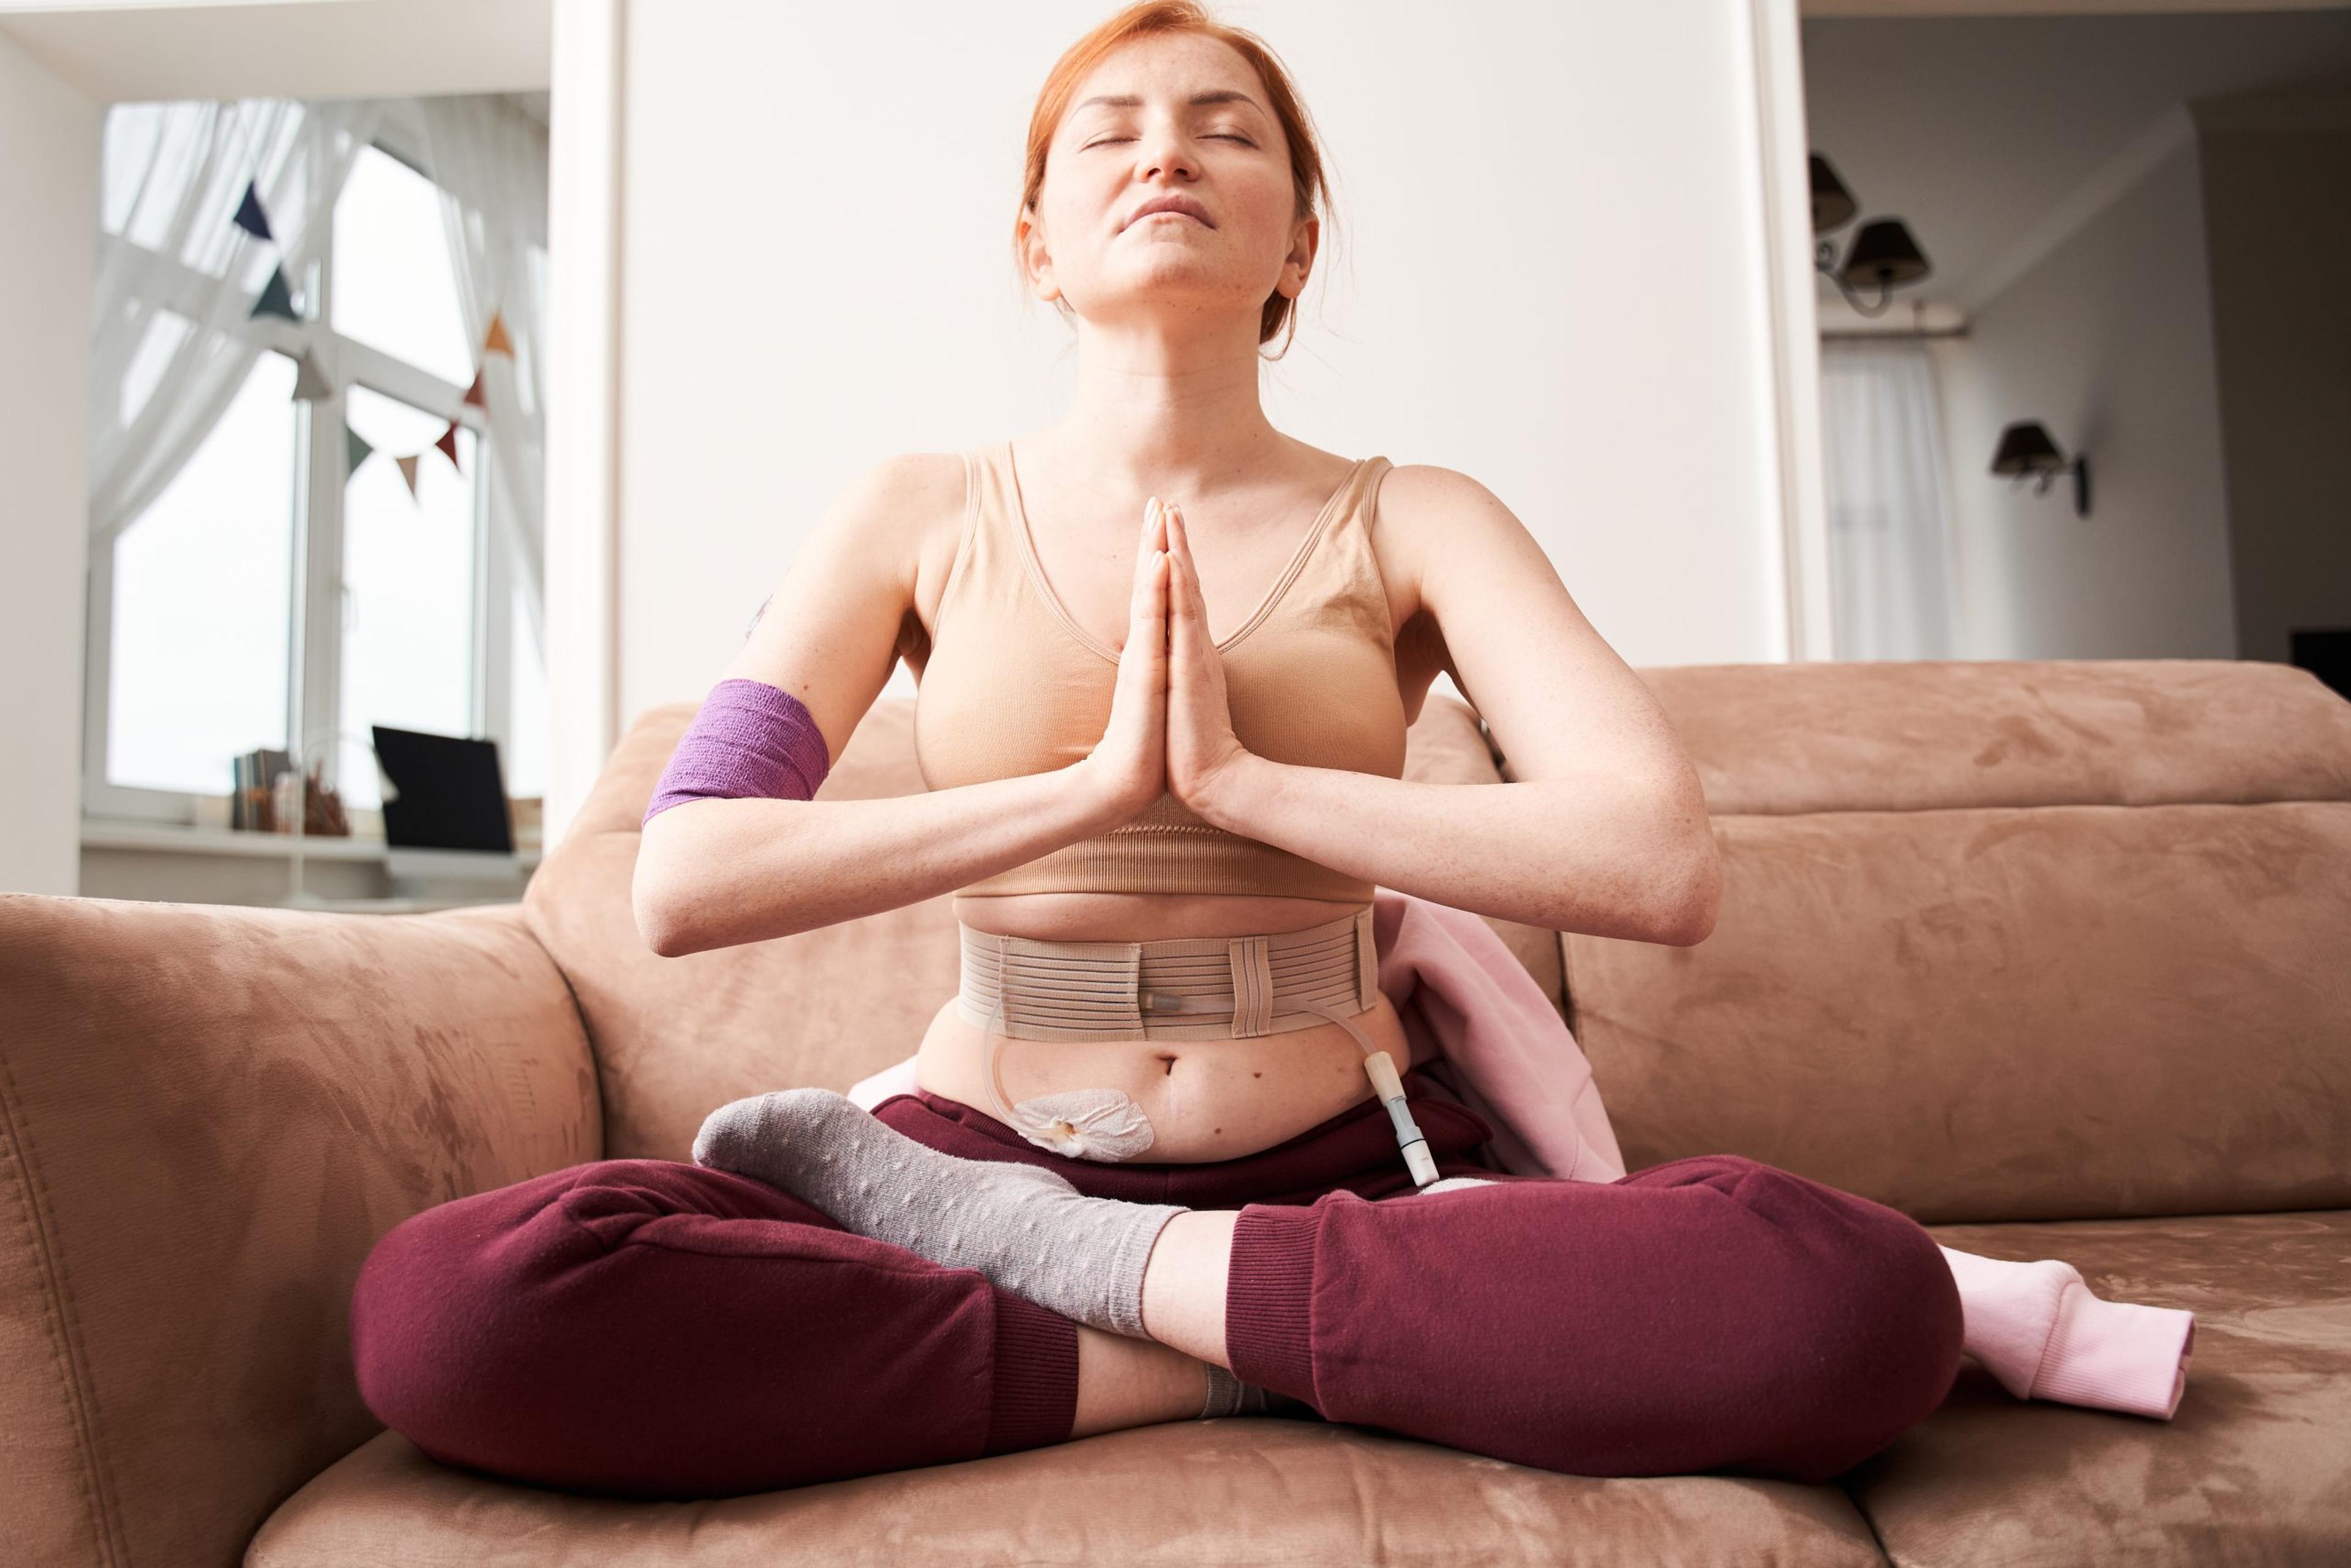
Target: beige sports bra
[{"x": 1012, "y": 683}]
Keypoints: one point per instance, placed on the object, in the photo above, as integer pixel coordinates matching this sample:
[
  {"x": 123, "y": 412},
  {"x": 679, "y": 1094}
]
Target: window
[
  {"x": 408, "y": 588},
  {"x": 264, "y": 593},
  {"x": 203, "y": 599},
  {"x": 394, "y": 289}
]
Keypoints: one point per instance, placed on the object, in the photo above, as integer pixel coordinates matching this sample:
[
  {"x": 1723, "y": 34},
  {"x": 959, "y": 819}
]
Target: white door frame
[
  {"x": 585, "y": 191},
  {"x": 1793, "y": 325}
]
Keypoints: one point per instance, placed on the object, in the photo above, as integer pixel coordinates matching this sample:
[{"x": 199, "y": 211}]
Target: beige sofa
[{"x": 2056, "y": 957}]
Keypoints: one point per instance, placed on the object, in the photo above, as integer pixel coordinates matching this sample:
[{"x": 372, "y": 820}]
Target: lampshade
[
  {"x": 1832, "y": 204},
  {"x": 2025, "y": 448},
  {"x": 1884, "y": 254}
]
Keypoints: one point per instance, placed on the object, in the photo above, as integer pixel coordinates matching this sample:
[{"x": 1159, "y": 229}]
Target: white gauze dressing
[
  {"x": 1085, "y": 1124},
  {"x": 1082, "y": 1123}
]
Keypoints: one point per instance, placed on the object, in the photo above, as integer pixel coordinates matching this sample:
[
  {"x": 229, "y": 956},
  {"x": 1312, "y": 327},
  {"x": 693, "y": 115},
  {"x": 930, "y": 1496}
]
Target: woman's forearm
[
  {"x": 715, "y": 873},
  {"x": 1598, "y": 853}
]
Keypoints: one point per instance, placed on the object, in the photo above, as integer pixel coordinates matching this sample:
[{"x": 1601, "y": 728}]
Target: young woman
[{"x": 1168, "y": 656}]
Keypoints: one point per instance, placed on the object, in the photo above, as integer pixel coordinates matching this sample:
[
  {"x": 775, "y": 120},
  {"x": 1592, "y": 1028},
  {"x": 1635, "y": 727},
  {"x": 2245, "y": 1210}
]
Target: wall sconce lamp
[
  {"x": 1832, "y": 204},
  {"x": 2025, "y": 448},
  {"x": 1883, "y": 254}
]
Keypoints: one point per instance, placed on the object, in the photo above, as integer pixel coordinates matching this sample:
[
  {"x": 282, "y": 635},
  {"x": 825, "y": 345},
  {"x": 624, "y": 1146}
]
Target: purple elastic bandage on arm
[{"x": 750, "y": 740}]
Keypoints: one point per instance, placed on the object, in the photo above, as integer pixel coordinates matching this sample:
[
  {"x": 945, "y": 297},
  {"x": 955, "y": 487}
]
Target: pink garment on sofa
[{"x": 1463, "y": 997}]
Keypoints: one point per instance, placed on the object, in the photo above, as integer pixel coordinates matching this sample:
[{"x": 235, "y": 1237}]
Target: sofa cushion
[
  {"x": 207, "y": 1116},
  {"x": 675, "y": 1038},
  {"x": 1906, "y": 736},
  {"x": 2003, "y": 940},
  {"x": 2062, "y": 1012},
  {"x": 1241, "y": 1490},
  {"x": 2252, "y": 1467}
]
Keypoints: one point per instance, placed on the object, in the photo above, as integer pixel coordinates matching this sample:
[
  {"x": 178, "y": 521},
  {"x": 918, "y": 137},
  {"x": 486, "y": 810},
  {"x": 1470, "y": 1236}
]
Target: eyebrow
[{"x": 1132, "y": 101}]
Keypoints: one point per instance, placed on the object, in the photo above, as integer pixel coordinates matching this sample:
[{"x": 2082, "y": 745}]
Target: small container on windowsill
[{"x": 285, "y": 800}]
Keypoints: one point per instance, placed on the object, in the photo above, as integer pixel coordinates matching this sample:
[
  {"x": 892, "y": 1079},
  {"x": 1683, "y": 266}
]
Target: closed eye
[{"x": 1215, "y": 136}]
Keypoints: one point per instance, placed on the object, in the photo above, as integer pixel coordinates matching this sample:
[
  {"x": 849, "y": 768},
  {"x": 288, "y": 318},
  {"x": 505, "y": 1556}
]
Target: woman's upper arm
[
  {"x": 1558, "y": 698},
  {"x": 831, "y": 631}
]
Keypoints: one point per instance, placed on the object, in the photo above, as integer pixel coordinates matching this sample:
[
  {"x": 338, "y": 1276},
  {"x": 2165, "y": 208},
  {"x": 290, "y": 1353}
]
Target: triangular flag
[
  {"x": 249, "y": 216},
  {"x": 408, "y": 471},
  {"x": 308, "y": 382},
  {"x": 274, "y": 301},
  {"x": 497, "y": 342},
  {"x": 474, "y": 393},
  {"x": 355, "y": 450},
  {"x": 448, "y": 443}
]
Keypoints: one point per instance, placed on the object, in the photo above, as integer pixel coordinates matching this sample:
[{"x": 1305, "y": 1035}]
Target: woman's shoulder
[
  {"x": 915, "y": 504},
  {"x": 1419, "y": 506},
  {"x": 1416, "y": 510}
]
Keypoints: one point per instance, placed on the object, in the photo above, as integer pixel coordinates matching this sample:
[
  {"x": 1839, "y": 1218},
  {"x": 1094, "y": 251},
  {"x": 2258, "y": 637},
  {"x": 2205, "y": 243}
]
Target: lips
[{"x": 1171, "y": 202}]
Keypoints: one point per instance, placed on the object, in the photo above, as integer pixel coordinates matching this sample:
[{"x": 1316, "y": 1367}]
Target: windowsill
[{"x": 104, "y": 833}]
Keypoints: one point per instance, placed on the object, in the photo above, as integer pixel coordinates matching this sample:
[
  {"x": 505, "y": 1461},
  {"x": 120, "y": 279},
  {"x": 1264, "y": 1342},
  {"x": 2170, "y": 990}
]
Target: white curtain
[
  {"x": 1891, "y": 554},
  {"x": 177, "y": 277},
  {"x": 489, "y": 160}
]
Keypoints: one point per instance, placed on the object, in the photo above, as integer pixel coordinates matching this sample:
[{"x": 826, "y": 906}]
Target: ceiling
[
  {"x": 135, "y": 50},
  {"x": 1983, "y": 133}
]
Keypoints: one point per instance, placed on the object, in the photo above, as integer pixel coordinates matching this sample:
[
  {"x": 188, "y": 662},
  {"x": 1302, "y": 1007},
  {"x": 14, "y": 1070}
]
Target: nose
[{"x": 1160, "y": 150}]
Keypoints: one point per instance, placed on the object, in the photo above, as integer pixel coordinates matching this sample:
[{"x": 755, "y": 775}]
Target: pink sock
[{"x": 2040, "y": 1331}]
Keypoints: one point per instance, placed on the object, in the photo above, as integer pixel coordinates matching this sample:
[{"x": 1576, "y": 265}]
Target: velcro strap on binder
[{"x": 1252, "y": 987}]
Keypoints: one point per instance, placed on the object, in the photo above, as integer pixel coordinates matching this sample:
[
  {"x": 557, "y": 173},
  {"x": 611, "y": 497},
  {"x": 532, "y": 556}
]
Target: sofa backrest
[
  {"x": 676, "y": 1038},
  {"x": 2003, "y": 940}
]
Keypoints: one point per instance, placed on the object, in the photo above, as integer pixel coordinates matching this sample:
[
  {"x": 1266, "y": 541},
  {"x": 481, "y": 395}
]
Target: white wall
[
  {"x": 1550, "y": 276},
  {"x": 51, "y": 206},
  {"x": 2107, "y": 340}
]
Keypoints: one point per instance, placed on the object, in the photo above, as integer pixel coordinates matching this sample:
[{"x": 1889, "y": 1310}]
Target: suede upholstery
[
  {"x": 210, "y": 1116},
  {"x": 2049, "y": 955}
]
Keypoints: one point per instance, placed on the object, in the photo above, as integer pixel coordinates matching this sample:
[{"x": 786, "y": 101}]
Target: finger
[
  {"x": 1154, "y": 626},
  {"x": 1146, "y": 600},
  {"x": 1184, "y": 632},
  {"x": 1151, "y": 594},
  {"x": 1152, "y": 527},
  {"x": 1191, "y": 605}
]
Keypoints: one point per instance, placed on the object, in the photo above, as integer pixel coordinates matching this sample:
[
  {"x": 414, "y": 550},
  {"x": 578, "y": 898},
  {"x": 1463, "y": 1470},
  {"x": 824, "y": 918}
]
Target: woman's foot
[{"x": 1029, "y": 1231}]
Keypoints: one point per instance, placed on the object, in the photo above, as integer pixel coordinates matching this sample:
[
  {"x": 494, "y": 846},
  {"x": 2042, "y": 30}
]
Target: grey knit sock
[
  {"x": 1029, "y": 1231},
  {"x": 1228, "y": 1396}
]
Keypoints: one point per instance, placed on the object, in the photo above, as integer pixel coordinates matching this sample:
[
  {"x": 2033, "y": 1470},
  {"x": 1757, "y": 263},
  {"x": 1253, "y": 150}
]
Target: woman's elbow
[
  {"x": 1694, "y": 898},
  {"x": 660, "y": 917}
]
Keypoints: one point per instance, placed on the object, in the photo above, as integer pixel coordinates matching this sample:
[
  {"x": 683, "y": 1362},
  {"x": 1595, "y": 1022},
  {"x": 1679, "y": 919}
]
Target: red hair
[{"x": 1307, "y": 176}]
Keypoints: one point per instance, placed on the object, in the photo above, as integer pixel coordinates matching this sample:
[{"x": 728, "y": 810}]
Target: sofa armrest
[{"x": 207, "y": 1116}]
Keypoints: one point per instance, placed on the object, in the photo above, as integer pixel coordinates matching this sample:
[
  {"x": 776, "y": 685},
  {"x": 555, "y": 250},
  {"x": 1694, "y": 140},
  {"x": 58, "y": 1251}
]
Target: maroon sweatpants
[{"x": 649, "y": 1328}]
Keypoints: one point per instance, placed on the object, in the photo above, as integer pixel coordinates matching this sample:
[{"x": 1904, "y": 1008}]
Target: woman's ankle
[
  {"x": 1124, "y": 1382},
  {"x": 1184, "y": 1282}
]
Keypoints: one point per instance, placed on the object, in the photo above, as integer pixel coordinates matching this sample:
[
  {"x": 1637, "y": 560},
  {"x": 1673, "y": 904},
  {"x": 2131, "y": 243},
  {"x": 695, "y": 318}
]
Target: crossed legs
[{"x": 650, "y": 1328}]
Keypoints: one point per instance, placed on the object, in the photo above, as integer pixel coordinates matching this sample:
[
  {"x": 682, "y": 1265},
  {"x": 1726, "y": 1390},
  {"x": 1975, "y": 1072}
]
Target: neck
[{"x": 1162, "y": 410}]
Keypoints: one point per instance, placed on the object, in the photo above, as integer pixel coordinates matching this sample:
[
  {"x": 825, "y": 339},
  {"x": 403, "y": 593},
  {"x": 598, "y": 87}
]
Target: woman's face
[{"x": 1171, "y": 115}]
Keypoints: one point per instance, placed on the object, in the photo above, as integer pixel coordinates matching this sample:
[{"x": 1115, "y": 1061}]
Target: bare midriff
[{"x": 1207, "y": 1099}]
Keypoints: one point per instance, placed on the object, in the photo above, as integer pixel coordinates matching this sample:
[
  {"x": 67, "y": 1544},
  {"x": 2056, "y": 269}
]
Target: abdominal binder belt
[
  {"x": 1178, "y": 988},
  {"x": 1182, "y": 987}
]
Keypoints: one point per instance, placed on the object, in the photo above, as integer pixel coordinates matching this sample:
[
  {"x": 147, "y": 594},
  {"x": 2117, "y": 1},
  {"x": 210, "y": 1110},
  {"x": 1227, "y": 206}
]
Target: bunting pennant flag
[
  {"x": 250, "y": 217},
  {"x": 275, "y": 299},
  {"x": 497, "y": 341},
  {"x": 309, "y": 381}
]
